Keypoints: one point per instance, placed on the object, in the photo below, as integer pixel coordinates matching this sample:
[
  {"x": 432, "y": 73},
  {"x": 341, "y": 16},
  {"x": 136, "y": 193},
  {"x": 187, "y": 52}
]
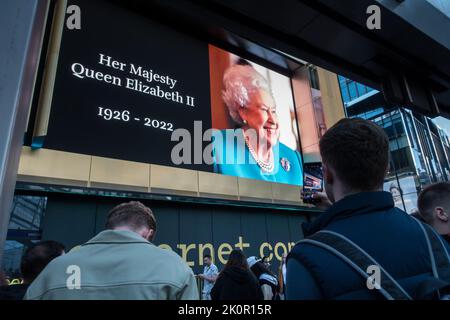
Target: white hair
[{"x": 240, "y": 82}]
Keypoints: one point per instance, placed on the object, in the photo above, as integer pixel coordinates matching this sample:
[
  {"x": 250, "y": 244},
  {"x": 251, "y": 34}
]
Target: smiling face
[{"x": 260, "y": 114}]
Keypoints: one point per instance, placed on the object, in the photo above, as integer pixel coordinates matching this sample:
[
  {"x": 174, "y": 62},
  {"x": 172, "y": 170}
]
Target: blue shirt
[{"x": 232, "y": 157}]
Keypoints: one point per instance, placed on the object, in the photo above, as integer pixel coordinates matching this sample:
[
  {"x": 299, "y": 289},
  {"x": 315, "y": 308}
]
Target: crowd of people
[{"x": 360, "y": 247}]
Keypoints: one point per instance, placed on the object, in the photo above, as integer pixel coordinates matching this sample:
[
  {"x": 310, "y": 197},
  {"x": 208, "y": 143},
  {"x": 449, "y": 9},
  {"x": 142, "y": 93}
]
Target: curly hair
[{"x": 240, "y": 81}]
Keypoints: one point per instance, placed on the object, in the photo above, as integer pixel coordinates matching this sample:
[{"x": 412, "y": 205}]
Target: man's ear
[
  {"x": 328, "y": 175},
  {"x": 147, "y": 234},
  {"x": 440, "y": 214}
]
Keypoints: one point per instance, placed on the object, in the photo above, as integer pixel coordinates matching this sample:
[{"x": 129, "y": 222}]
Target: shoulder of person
[
  {"x": 54, "y": 276},
  {"x": 305, "y": 254},
  {"x": 296, "y": 249},
  {"x": 167, "y": 253},
  {"x": 214, "y": 267},
  {"x": 174, "y": 258}
]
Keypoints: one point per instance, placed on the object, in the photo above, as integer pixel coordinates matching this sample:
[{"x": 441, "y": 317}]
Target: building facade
[{"x": 419, "y": 149}]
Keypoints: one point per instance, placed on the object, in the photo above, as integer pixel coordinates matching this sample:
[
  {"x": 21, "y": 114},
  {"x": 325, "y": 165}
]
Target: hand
[
  {"x": 321, "y": 200},
  {"x": 201, "y": 276}
]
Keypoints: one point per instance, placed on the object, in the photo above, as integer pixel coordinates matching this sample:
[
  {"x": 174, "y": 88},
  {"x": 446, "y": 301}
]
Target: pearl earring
[{"x": 244, "y": 121}]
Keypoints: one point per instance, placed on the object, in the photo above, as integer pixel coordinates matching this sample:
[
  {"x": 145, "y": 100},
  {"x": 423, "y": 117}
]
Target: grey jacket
[{"x": 116, "y": 265}]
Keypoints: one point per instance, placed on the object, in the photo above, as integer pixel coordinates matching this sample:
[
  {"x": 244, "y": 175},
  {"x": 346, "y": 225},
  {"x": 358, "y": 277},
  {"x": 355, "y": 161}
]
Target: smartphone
[{"x": 312, "y": 181}]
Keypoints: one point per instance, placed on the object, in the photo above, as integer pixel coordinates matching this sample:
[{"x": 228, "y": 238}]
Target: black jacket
[
  {"x": 236, "y": 284},
  {"x": 13, "y": 292},
  {"x": 370, "y": 220},
  {"x": 447, "y": 238}
]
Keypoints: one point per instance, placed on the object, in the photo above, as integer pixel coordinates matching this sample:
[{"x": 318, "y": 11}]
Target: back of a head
[
  {"x": 358, "y": 151},
  {"x": 432, "y": 196},
  {"x": 37, "y": 257},
  {"x": 133, "y": 215},
  {"x": 237, "y": 259}
]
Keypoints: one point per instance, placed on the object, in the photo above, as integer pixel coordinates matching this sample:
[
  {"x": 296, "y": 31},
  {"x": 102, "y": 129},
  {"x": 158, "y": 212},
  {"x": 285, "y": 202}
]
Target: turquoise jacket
[
  {"x": 116, "y": 265},
  {"x": 230, "y": 160}
]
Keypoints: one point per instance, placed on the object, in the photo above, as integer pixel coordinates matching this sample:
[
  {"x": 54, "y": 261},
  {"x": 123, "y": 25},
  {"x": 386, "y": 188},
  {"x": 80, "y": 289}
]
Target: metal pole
[{"x": 22, "y": 23}]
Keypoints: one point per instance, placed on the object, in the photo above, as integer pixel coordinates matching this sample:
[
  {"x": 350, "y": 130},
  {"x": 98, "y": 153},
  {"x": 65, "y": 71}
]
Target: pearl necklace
[{"x": 265, "y": 166}]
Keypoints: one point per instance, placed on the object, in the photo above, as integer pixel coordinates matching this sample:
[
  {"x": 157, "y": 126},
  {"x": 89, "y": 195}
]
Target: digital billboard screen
[{"x": 140, "y": 91}]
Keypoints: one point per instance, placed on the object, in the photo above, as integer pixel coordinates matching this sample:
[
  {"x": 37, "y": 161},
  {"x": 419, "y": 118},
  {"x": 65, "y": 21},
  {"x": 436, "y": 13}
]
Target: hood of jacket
[{"x": 355, "y": 204}]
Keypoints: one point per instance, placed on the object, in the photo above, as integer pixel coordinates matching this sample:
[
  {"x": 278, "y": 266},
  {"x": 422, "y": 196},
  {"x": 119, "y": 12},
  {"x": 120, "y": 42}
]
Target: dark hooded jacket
[
  {"x": 236, "y": 283},
  {"x": 447, "y": 238},
  {"x": 13, "y": 292},
  {"x": 370, "y": 220}
]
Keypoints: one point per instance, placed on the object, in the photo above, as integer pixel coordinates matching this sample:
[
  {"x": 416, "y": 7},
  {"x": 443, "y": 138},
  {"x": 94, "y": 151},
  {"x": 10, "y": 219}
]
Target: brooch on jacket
[{"x": 285, "y": 164}]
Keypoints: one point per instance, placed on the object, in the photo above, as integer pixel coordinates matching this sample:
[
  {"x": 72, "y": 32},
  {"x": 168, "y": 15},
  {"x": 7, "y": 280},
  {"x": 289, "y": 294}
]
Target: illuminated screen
[
  {"x": 313, "y": 178},
  {"x": 140, "y": 91},
  {"x": 253, "y": 108}
]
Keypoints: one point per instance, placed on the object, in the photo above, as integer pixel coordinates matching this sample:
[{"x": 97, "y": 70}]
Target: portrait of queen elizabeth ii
[{"x": 252, "y": 149}]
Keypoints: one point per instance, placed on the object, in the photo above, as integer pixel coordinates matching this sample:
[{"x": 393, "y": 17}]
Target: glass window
[
  {"x": 389, "y": 129},
  {"x": 352, "y": 90},
  {"x": 391, "y": 185},
  {"x": 342, "y": 80},
  {"x": 24, "y": 229},
  {"x": 314, "y": 78},
  {"x": 362, "y": 89},
  {"x": 411, "y": 131},
  {"x": 410, "y": 200},
  {"x": 345, "y": 94},
  {"x": 12, "y": 256},
  {"x": 402, "y": 160}
]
